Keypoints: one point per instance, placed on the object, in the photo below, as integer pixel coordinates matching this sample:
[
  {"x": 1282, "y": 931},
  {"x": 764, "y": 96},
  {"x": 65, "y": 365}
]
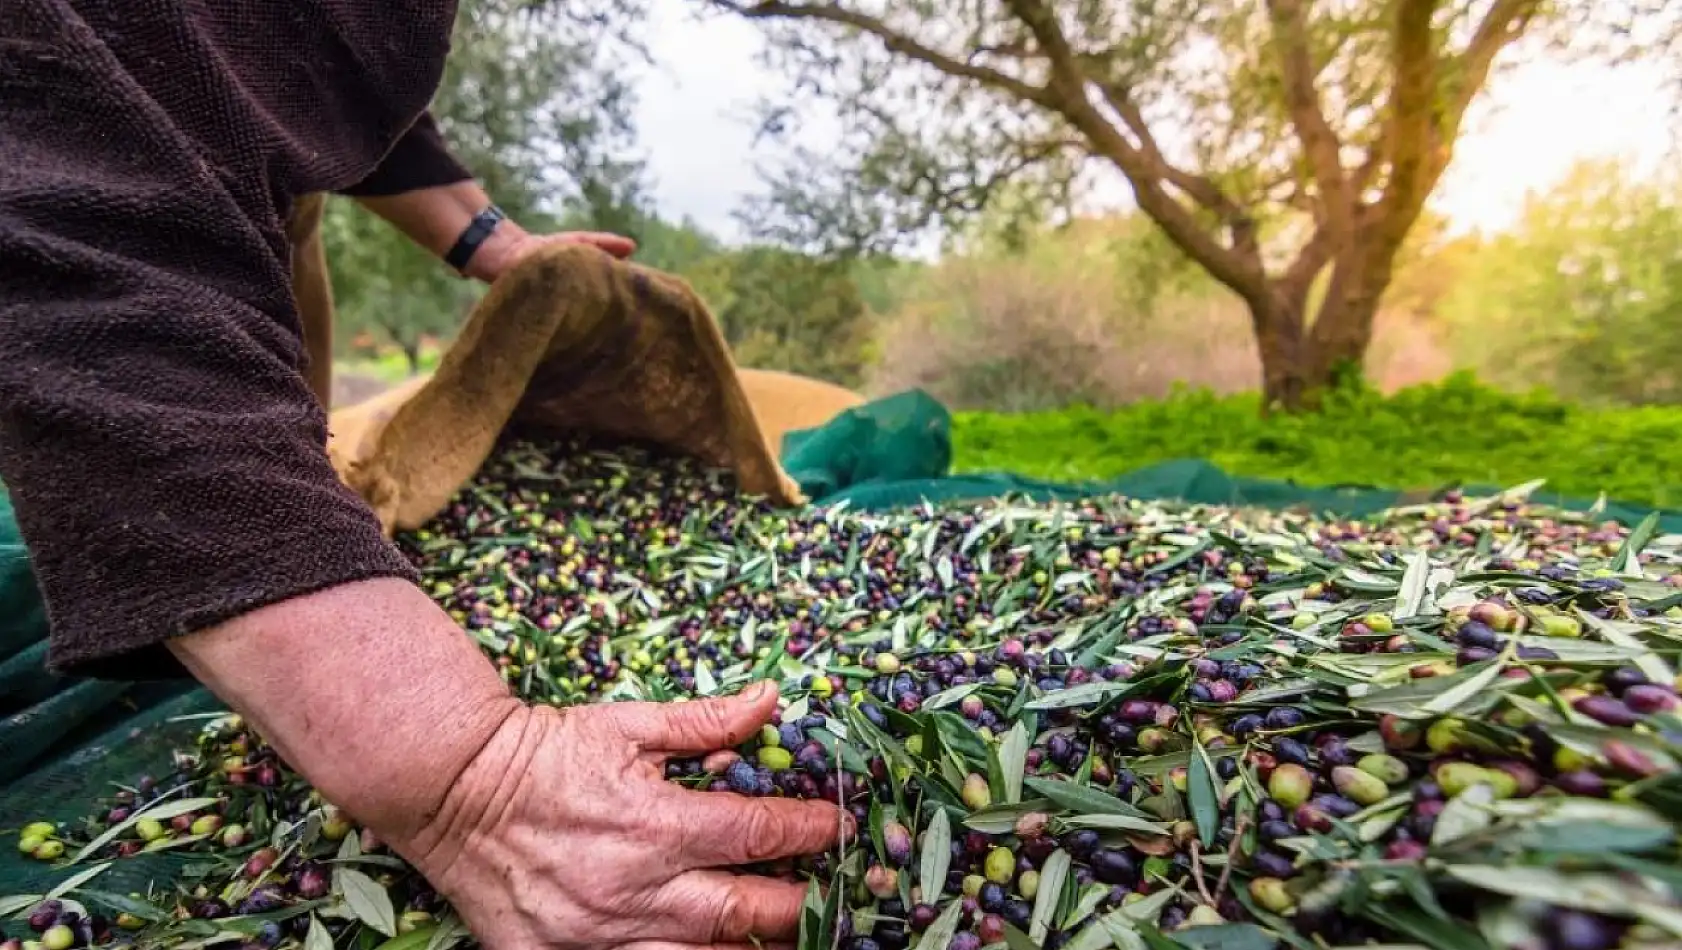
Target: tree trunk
[
  {"x": 411, "y": 352},
  {"x": 1278, "y": 326},
  {"x": 1298, "y": 366}
]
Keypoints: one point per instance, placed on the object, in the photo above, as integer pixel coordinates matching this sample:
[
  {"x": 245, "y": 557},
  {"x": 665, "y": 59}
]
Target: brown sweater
[{"x": 163, "y": 451}]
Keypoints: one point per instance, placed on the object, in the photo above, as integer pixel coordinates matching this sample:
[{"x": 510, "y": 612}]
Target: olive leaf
[
  {"x": 1628, "y": 559},
  {"x": 1204, "y": 796},
  {"x": 1052, "y": 876},
  {"x": 1123, "y": 920},
  {"x": 1000, "y": 819},
  {"x": 947, "y": 697},
  {"x": 1013, "y": 758},
  {"x": 1465, "y": 690},
  {"x": 1410, "y": 598},
  {"x": 1464, "y": 814},
  {"x": 1080, "y": 799},
  {"x": 1226, "y": 937},
  {"x": 158, "y": 811},
  {"x": 317, "y": 938},
  {"x": 936, "y": 857},
  {"x": 705, "y": 683},
  {"x": 1433, "y": 933},
  {"x": 18, "y": 903},
  {"x": 366, "y": 899},
  {"x": 417, "y": 939},
  {"x": 1595, "y": 892},
  {"x": 76, "y": 880},
  {"x": 1094, "y": 894},
  {"x": 1086, "y": 694},
  {"x": 1645, "y": 659},
  {"x": 122, "y": 904},
  {"x": 940, "y": 933},
  {"x": 1112, "y": 822}
]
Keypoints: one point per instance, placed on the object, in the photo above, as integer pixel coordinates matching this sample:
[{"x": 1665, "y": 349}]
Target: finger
[
  {"x": 729, "y": 908},
  {"x": 616, "y": 244},
  {"x": 700, "y": 725},
  {"x": 721, "y": 830}
]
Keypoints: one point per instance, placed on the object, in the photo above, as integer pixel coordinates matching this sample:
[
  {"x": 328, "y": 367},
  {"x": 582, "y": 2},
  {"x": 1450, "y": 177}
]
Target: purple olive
[
  {"x": 1273, "y": 864},
  {"x": 1647, "y": 698},
  {"x": 45, "y": 915},
  {"x": 1579, "y": 930},
  {"x": 312, "y": 882},
  {"x": 1581, "y": 782},
  {"x": 1606, "y": 710},
  {"x": 1114, "y": 867},
  {"x": 1623, "y": 678}
]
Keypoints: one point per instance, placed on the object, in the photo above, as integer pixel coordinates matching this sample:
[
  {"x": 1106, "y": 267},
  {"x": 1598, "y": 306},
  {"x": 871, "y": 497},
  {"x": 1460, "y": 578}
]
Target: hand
[
  {"x": 563, "y": 832},
  {"x": 509, "y": 243}
]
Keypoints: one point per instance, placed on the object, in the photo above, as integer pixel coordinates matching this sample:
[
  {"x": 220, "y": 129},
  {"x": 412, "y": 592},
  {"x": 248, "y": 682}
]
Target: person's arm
[
  {"x": 347, "y": 682},
  {"x": 423, "y": 190},
  {"x": 166, "y": 463}
]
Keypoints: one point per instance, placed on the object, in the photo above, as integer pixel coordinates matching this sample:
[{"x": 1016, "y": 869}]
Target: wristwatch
[{"x": 472, "y": 236}]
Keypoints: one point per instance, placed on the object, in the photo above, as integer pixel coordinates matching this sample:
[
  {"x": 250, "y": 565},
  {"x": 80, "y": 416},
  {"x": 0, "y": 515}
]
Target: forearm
[
  {"x": 368, "y": 689},
  {"x": 435, "y": 217}
]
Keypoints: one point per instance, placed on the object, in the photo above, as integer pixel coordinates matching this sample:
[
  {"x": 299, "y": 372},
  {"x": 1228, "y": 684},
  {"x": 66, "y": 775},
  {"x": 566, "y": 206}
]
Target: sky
[{"x": 695, "y": 121}]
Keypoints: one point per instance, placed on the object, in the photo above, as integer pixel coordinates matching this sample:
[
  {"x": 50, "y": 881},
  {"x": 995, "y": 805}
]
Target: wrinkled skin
[
  {"x": 545, "y": 828},
  {"x": 564, "y": 833}
]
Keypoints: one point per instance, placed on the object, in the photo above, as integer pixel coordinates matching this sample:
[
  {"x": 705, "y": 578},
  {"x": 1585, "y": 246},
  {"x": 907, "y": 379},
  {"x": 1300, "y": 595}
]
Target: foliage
[
  {"x": 784, "y": 310},
  {"x": 1584, "y": 295},
  {"x": 386, "y": 287},
  {"x": 533, "y": 106},
  {"x": 1286, "y": 147},
  {"x": 1422, "y": 437},
  {"x": 1102, "y": 311}
]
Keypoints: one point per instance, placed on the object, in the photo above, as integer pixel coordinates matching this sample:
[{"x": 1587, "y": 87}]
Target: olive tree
[{"x": 1285, "y": 146}]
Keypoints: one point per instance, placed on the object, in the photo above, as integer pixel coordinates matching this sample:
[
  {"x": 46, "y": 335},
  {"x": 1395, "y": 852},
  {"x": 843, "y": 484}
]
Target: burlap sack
[
  {"x": 785, "y": 402},
  {"x": 312, "y": 286},
  {"x": 570, "y": 339}
]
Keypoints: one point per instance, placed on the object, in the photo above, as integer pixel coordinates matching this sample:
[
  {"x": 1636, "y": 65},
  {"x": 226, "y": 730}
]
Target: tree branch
[
  {"x": 1409, "y": 128},
  {"x": 1321, "y": 147},
  {"x": 1504, "y": 23},
  {"x": 1239, "y": 266},
  {"x": 893, "y": 40}
]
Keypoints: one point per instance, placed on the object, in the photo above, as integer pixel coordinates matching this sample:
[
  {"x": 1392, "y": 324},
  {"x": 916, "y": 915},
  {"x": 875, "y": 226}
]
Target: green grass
[
  {"x": 1455, "y": 432},
  {"x": 389, "y": 368}
]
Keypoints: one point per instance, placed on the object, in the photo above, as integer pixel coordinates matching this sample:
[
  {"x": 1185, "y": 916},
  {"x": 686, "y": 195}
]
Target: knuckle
[
  {"x": 732, "y": 916},
  {"x": 763, "y": 830},
  {"x": 712, "y": 723}
]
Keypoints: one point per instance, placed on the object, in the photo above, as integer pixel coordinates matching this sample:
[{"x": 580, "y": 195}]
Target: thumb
[{"x": 705, "y": 725}]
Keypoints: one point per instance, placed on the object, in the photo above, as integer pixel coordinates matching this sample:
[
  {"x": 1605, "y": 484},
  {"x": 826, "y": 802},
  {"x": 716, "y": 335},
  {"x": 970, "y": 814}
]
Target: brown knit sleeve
[
  {"x": 163, "y": 452},
  {"x": 420, "y": 159}
]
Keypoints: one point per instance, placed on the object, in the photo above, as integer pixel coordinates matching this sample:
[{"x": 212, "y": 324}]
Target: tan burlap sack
[
  {"x": 784, "y": 402},
  {"x": 570, "y": 339}
]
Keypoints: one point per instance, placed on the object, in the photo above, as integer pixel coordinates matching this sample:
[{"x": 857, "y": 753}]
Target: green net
[{"x": 65, "y": 742}]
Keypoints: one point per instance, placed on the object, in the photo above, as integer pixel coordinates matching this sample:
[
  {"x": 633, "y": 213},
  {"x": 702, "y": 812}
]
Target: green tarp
[{"x": 62, "y": 741}]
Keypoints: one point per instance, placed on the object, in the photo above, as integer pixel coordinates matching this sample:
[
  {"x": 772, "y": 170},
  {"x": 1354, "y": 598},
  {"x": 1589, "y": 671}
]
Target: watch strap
[{"x": 472, "y": 236}]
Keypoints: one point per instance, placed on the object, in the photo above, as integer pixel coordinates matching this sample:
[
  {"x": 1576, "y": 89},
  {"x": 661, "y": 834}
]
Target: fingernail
[{"x": 757, "y": 691}]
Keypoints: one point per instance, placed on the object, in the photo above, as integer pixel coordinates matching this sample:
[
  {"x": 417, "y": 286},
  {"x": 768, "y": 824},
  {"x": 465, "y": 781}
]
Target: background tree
[
  {"x": 1287, "y": 147},
  {"x": 784, "y": 310},
  {"x": 533, "y": 104},
  {"x": 1584, "y": 294}
]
